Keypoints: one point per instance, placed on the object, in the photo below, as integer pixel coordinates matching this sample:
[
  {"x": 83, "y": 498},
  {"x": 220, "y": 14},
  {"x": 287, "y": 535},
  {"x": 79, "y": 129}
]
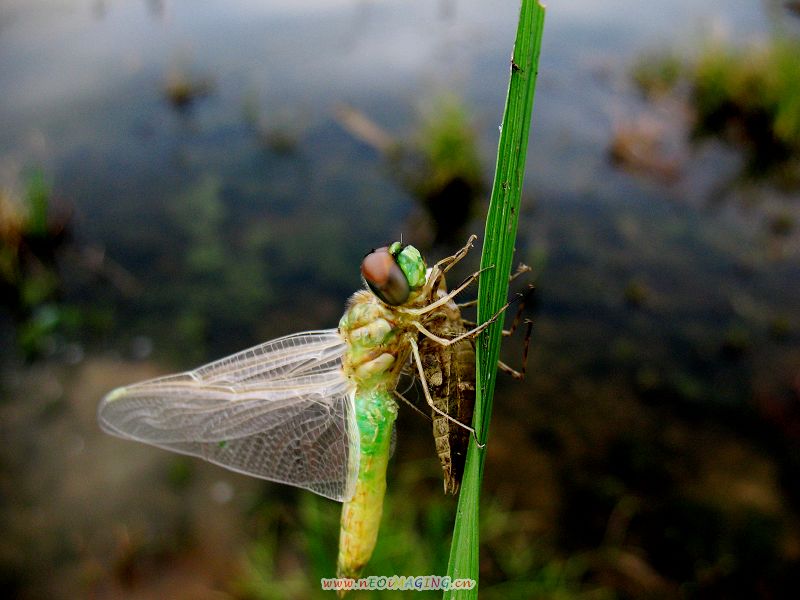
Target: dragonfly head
[{"x": 393, "y": 272}]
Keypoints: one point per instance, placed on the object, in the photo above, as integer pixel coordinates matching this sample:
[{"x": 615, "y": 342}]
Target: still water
[
  {"x": 280, "y": 181},
  {"x": 242, "y": 214}
]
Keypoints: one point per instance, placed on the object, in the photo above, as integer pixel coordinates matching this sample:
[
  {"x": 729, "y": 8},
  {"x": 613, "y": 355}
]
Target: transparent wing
[{"x": 282, "y": 411}]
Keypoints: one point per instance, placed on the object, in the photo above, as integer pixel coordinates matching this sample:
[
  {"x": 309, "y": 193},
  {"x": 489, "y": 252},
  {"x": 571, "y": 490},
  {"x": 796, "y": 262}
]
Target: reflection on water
[
  {"x": 661, "y": 408},
  {"x": 437, "y": 163}
]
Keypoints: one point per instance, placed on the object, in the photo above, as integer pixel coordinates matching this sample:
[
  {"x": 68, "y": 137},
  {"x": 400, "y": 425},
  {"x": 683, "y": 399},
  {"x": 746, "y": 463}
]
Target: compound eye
[{"x": 385, "y": 277}]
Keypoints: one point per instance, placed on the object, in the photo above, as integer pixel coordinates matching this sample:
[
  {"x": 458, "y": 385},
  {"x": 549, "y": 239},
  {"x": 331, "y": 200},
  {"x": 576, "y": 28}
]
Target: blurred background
[{"x": 180, "y": 180}]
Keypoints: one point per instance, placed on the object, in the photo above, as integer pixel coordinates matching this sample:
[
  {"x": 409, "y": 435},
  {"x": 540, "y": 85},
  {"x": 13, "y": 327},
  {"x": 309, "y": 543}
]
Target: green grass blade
[{"x": 497, "y": 257}]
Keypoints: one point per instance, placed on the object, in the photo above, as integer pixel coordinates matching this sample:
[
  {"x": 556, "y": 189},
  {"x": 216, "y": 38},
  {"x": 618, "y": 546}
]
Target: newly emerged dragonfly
[{"x": 313, "y": 409}]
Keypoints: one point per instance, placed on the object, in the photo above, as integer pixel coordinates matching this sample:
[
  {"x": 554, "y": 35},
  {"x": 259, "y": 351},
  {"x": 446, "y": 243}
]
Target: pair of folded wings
[{"x": 282, "y": 411}]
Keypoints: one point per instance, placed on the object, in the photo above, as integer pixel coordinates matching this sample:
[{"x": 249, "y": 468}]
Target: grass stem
[{"x": 497, "y": 256}]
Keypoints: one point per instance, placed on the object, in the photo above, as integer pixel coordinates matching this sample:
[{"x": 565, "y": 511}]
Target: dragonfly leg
[
  {"x": 429, "y": 400},
  {"x": 468, "y": 334},
  {"x": 523, "y": 298},
  {"x": 411, "y": 404},
  {"x": 447, "y": 263},
  {"x": 444, "y": 299},
  {"x": 507, "y": 332},
  {"x": 521, "y": 269},
  {"x": 503, "y": 366},
  {"x": 509, "y": 370},
  {"x": 451, "y": 261},
  {"x": 521, "y": 373}
]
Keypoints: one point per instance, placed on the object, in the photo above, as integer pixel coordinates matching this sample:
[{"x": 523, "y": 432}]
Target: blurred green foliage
[
  {"x": 440, "y": 165},
  {"x": 451, "y": 180},
  {"x": 32, "y": 236},
  {"x": 749, "y": 96},
  {"x": 756, "y": 91},
  {"x": 657, "y": 73},
  {"x": 447, "y": 142},
  {"x": 295, "y": 548},
  {"x": 38, "y": 202},
  {"x": 221, "y": 272}
]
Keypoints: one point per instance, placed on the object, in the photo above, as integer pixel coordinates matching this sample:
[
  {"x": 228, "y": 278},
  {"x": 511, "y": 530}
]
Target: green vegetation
[
  {"x": 218, "y": 275},
  {"x": 657, "y": 73},
  {"x": 498, "y": 254},
  {"x": 449, "y": 178},
  {"x": 32, "y": 235},
  {"x": 749, "y": 96},
  {"x": 439, "y": 164},
  {"x": 752, "y": 96},
  {"x": 448, "y": 144},
  {"x": 297, "y": 540}
]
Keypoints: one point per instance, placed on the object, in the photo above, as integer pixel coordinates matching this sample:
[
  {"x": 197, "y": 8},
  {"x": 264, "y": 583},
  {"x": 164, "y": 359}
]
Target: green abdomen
[{"x": 375, "y": 413}]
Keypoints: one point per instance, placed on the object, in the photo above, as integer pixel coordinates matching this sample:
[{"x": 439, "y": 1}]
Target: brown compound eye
[{"x": 384, "y": 277}]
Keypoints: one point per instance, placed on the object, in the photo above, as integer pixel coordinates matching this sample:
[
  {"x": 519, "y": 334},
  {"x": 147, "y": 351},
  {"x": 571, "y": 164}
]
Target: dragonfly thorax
[{"x": 376, "y": 347}]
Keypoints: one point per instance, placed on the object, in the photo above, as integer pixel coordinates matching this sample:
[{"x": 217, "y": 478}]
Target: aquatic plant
[
  {"x": 498, "y": 251},
  {"x": 439, "y": 164},
  {"x": 450, "y": 178},
  {"x": 752, "y": 96},
  {"x": 749, "y": 96},
  {"x": 32, "y": 233},
  {"x": 182, "y": 89},
  {"x": 529, "y": 568},
  {"x": 218, "y": 270},
  {"x": 657, "y": 73}
]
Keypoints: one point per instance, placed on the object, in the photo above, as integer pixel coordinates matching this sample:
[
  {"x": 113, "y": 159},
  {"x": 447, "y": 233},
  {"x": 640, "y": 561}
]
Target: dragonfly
[{"x": 315, "y": 409}]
